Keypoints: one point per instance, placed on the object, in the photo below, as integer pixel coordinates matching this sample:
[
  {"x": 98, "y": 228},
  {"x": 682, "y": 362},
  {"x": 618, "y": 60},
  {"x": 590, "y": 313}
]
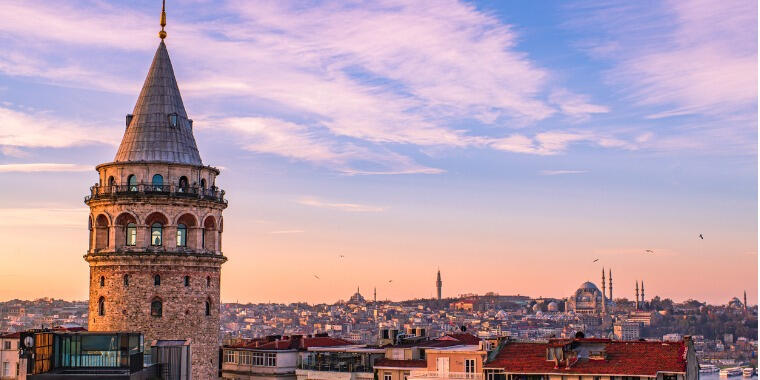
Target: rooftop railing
[
  {"x": 103, "y": 192},
  {"x": 446, "y": 375}
]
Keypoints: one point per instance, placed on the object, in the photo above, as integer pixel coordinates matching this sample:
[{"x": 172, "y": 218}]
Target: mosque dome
[{"x": 552, "y": 306}]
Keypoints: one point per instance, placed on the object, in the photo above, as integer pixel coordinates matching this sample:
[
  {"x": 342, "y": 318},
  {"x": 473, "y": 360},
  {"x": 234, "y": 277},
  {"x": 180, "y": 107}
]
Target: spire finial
[{"x": 162, "y": 33}]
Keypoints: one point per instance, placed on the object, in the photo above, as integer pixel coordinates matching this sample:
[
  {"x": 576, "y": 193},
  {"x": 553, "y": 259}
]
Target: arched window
[
  {"x": 208, "y": 307},
  {"x": 181, "y": 235},
  {"x": 182, "y": 184},
  {"x": 111, "y": 181},
  {"x": 126, "y": 280},
  {"x": 187, "y": 280},
  {"x": 156, "y": 234},
  {"x": 157, "y": 182},
  {"x": 131, "y": 234},
  {"x": 101, "y": 306},
  {"x": 203, "y": 183},
  {"x": 132, "y": 182},
  {"x": 156, "y": 307},
  {"x": 208, "y": 280},
  {"x": 102, "y": 281},
  {"x": 157, "y": 280}
]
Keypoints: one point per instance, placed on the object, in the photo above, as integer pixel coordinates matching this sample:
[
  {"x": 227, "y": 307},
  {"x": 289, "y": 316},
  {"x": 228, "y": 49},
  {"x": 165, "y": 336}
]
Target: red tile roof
[
  {"x": 393, "y": 363},
  {"x": 14, "y": 335},
  {"x": 464, "y": 338},
  {"x": 630, "y": 358}
]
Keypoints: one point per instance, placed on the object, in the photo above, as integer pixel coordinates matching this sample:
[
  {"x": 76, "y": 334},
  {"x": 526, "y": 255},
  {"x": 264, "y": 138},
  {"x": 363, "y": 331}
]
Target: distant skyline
[{"x": 509, "y": 144}]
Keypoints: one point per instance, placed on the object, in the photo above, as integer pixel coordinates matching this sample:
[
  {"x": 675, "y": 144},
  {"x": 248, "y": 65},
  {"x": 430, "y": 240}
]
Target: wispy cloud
[
  {"x": 41, "y": 130},
  {"x": 349, "y": 207},
  {"x": 58, "y": 217},
  {"x": 45, "y": 167},
  {"x": 681, "y": 59},
  {"x": 562, "y": 172},
  {"x": 335, "y": 84},
  {"x": 285, "y": 232}
]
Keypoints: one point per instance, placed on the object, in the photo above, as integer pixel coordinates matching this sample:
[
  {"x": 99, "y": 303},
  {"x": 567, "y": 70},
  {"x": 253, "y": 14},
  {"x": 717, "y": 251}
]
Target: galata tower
[{"x": 156, "y": 225}]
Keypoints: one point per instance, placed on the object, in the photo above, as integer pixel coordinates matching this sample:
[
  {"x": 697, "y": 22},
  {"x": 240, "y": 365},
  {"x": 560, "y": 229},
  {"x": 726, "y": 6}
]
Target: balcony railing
[
  {"x": 446, "y": 375},
  {"x": 210, "y": 194}
]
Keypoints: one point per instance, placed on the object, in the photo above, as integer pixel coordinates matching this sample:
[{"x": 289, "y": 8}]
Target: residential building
[
  {"x": 627, "y": 330},
  {"x": 9, "y": 359},
  {"x": 348, "y": 362}
]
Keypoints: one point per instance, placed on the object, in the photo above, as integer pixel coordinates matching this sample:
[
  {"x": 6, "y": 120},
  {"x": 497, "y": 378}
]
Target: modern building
[
  {"x": 348, "y": 362},
  {"x": 156, "y": 225},
  {"x": 275, "y": 358},
  {"x": 587, "y": 358},
  {"x": 9, "y": 359},
  {"x": 60, "y": 354}
]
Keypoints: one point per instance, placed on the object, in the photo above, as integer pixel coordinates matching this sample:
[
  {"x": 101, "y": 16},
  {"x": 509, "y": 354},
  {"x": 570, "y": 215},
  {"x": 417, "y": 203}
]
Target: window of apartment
[
  {"x": 7, "y": 345},
  {"x": 271, "y": 360},
  {"x": 246, "y": 358},
  {"x": 386, "y": 376},
  {"x": 6, "y": 369},
  {"x": 258, "y": 358},
  {"x": 230, "y": 356},
  {"x": 469, "y": 365}
]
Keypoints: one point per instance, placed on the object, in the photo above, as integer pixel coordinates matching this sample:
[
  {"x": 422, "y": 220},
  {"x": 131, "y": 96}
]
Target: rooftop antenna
[{"x": 162, "y": 33}]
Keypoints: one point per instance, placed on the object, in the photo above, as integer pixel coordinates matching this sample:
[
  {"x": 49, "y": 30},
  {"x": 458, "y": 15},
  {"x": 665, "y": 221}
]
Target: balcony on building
[{"x": 212, "y": 194}]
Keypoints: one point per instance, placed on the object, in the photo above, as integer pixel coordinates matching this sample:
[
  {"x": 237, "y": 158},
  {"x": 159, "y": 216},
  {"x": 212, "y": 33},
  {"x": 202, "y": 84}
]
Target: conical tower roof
[{"x": 150, "y": 136}]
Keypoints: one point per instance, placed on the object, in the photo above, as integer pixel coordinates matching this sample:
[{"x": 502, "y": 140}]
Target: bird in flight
[
  {"x": 596, "y": 260},
  {"x": 317, "y": 277},
  {"x": 389, "y": 281},
  {"x": 341, "y": 256},
  {"x": 701, "y": 237},
  {"x": 649, "y": 251}
]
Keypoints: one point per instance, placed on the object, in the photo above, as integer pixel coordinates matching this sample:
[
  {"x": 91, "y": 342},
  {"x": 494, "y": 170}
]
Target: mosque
[{"x": 588, "y": 299}]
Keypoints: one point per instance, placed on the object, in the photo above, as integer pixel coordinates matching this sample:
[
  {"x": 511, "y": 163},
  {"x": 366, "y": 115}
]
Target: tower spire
[
  {"x": 642, "y": 293},
  {"x": 610, "y": 284},
  {"x": 438, "y": 283},
  {"x": 162, "y": 33}
]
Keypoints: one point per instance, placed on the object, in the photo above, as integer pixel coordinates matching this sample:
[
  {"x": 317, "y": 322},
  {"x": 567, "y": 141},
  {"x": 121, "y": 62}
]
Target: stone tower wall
[{"x": 127, "y": 305}]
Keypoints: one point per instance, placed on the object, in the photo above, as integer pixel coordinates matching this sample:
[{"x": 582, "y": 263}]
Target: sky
[{"x": 508, "y": 144}]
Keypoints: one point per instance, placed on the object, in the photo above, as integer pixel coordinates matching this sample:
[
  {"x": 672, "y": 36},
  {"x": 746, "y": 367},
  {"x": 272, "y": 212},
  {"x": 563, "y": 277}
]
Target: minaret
[
  {"x": 604, "y": 294},
  {"x": 375, "y": 295},
  {"x": 745, "y": 300},
  {"x": 155, "y": 252},
  {"x": 637, "y": 295},
  {"x": 611, "y": 299},
  {"x": 642, "y": 294},
  {"x": 439, "y": 284}
]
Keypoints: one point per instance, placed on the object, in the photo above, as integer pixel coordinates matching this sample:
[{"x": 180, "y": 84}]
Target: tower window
[
  {"x": 132, "y": 182},
  {"x": 131, "y": 234},
  {"x": 173, "y": 119},
  {"x": 157, "y": 280},
  {"x": 156, "y": 307},
  {"x": 208, "y": 307},
  {"x": 183, "y": 184},
  {"x": 126, "y": 280},
  {"x": 203, "y": 183},
  {"x": 156, "y": 232},
  {"x": 181, "y": 235},
  {"x": 102, "y": 281},
  {"x": 187, "y": 280},
  {"x": 208, "y": 280},
  {"x": 157, "y": 182},
  {"x": 101, "y": 306}
]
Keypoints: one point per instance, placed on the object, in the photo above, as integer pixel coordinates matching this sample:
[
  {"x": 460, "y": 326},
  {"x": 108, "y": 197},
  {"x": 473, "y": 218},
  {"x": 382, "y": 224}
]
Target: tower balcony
[{"x": 149, "y": 190}]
